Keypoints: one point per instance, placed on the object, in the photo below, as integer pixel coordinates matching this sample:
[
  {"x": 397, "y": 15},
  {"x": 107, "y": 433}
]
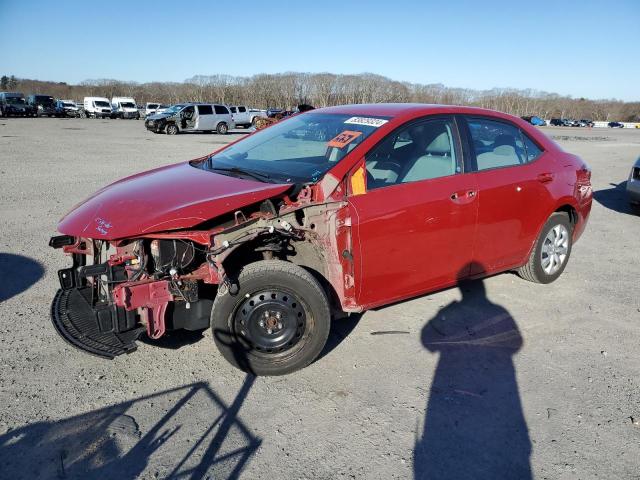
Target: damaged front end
[
  {"x": 114, "y": 291},
  {"x": 117, "y": 290}
]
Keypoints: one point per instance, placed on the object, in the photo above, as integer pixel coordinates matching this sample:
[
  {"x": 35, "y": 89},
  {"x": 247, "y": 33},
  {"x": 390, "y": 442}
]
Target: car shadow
[
  {"x": 474, "y": 426},
  {"x": 615, "y": 198},
  {"x": 174, "y": 339},
  {"x": 196, "y": 436},
  {"x": 18, "y": 273},
  {"x": 341, "y": 328}
]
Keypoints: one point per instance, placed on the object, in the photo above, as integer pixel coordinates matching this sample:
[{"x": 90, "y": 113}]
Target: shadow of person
[
  {"x": 18, "y": 273},
  {"x": 616, "y": 199},
  {"x": 474, "y": 426}
]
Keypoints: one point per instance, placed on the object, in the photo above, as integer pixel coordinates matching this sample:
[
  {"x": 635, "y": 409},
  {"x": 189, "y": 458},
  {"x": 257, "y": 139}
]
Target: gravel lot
[{"x": 569, "y": 382}]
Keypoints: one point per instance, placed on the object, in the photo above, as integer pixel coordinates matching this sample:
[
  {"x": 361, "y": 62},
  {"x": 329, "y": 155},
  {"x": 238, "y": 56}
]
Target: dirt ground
[{"x": 374, "y": 406}]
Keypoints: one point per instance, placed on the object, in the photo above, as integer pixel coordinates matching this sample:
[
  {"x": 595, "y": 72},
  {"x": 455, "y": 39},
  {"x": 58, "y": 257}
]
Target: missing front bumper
[{"x": 105, "y": 331}]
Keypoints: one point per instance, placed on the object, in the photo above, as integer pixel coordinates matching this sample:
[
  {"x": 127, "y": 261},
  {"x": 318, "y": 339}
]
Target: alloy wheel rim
[{"x": 555, "y": 249}]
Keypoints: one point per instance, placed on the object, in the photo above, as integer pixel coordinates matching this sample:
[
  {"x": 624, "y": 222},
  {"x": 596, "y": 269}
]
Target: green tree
[
  {"x": 4, "y": 82},
  {"x": 13, "y": 82}
]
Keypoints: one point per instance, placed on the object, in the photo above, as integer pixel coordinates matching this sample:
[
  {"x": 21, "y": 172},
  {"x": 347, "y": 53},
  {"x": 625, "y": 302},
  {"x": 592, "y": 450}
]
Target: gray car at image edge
[{"x": 633, "y": 185}]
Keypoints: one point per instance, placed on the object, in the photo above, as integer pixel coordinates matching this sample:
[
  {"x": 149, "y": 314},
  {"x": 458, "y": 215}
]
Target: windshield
[
  {"x": 127, "y": 105},
  {"x": 67, "y": 104},
  {"x": 152, "y": 105},
  {"x": 300, "y": 149},
  {"x": 174, "y": 108},
  {"x": 16, "y": 100},
  {"x": 43, "y": 100},
  {"x": 100, "y": 103}
]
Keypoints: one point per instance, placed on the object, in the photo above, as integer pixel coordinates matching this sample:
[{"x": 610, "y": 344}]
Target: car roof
[{"x": 410, "y": 110}]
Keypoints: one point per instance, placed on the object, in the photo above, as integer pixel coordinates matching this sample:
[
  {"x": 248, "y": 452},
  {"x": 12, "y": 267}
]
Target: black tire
[
  {"x": 533, "y": 270},
  {"x": 172, "y": 129},
  {"x": 271, "y": 291},
  {"x": 254, "y": 120},
  {"x": 222, "y": 128}
]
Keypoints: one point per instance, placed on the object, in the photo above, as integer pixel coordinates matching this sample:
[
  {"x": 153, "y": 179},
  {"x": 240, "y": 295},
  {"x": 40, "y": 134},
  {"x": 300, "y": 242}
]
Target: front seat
[{"x": 436, "y": 162}]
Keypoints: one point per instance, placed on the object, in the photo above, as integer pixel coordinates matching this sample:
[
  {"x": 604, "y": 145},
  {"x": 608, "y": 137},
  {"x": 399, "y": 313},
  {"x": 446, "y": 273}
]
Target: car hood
[
  {"x": 168, "y": 198},
  {"x": 158, "y": 116}
]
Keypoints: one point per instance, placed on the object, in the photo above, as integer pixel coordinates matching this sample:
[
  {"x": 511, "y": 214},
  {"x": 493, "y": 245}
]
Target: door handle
[
  {"x": 545, "y": 177},
  {"x": 463, "y": 197}
]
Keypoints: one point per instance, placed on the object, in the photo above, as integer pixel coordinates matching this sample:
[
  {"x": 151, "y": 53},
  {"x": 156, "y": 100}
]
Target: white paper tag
[{"x": 370, "y": 122}]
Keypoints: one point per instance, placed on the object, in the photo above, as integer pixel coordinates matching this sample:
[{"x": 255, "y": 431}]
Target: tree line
[{"x": 286, "y": 90}]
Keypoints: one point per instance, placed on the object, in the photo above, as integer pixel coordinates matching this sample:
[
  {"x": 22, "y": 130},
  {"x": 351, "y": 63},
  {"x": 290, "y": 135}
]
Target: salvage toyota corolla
[{"x": 332, "y": 211}]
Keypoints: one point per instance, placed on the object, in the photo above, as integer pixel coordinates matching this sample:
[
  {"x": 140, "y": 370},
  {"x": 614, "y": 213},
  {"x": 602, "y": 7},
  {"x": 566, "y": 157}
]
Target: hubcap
[
  {"x": 270, "y": 321},
  {"x": 555, "y": 249}
]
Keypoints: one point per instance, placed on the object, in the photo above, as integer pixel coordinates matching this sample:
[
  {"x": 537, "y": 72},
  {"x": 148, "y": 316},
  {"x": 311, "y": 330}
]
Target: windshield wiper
[{"x": 257, "y": 175}]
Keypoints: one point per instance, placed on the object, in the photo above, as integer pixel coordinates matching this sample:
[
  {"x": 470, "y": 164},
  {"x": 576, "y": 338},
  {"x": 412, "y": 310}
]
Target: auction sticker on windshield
[
  {"x": 343, "y": 139},
  {"x": 371, "y": 122}
]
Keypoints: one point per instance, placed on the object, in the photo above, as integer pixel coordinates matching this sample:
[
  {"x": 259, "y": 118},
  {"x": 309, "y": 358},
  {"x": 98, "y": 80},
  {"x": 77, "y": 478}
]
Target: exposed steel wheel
[{"x": 275, "y": 320}]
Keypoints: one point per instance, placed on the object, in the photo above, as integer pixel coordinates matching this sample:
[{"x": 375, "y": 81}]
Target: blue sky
[{"x": 579, "y": 48}]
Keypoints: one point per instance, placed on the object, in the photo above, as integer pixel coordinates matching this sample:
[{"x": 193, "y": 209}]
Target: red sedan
[{"x": 335, "y": 210}]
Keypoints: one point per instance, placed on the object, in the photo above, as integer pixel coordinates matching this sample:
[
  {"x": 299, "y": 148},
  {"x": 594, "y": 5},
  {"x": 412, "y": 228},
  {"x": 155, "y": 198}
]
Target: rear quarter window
[
  {"x": 221, "y": 110},
  {"x": 205, "y": 110}
]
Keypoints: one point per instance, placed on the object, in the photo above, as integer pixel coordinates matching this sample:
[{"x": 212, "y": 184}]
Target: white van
[
  {"x": 124, "y": 107},
  {"x": 97, "y": 107},
  {"x": 191, "y": 117}
]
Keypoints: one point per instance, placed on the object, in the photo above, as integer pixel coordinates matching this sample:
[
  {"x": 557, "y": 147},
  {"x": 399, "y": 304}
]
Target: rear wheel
[
  {"x": 277, "y": 321},
  {"x": 172, "y": 129},
  {"x": 551, "y": 251},
  {"x": 222, "y": 128}
]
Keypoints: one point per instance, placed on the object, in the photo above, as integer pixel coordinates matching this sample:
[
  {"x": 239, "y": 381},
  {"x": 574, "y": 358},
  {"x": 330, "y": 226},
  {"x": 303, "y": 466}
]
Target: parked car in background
[
  {"x": 558, "y": 122},
  {"x": 45, "y": 105},
  {"x": 96, "y": 107},
  {"x": 244, "y": 116},
  {"x": 191, "y": 117},
  {"x": 153, "y": 108},
  {"x": 272, "y": 112},
  {"x": 633, "y": 187},
  {"x": 615, "y": 125},
  {"x": 586, "y": 122},
  {"x": 14, "y": 104},
  {"x": 67, "y": 108},
  {"x": 534, "y": 120},
  {"x": 124, "y": 107},
  {"x": 266, "y": 239}
]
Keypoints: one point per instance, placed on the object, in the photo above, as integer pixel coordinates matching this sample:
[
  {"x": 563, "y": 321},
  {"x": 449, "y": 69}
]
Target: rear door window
[
  {"x": 205, "y": 110},
  {"x": 221, "y": 110},
  {"x": 533, "y": 150},
  {"x": 496, "y": 144},
  {"x": 242, "y": 109}
]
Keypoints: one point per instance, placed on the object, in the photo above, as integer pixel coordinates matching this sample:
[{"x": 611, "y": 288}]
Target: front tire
[
  {"x": 222, "y": 128},
  {"x": 172, "y": 129},
  {"x": 275, "y": 322},
  {"x": 551, "y": 251}
]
